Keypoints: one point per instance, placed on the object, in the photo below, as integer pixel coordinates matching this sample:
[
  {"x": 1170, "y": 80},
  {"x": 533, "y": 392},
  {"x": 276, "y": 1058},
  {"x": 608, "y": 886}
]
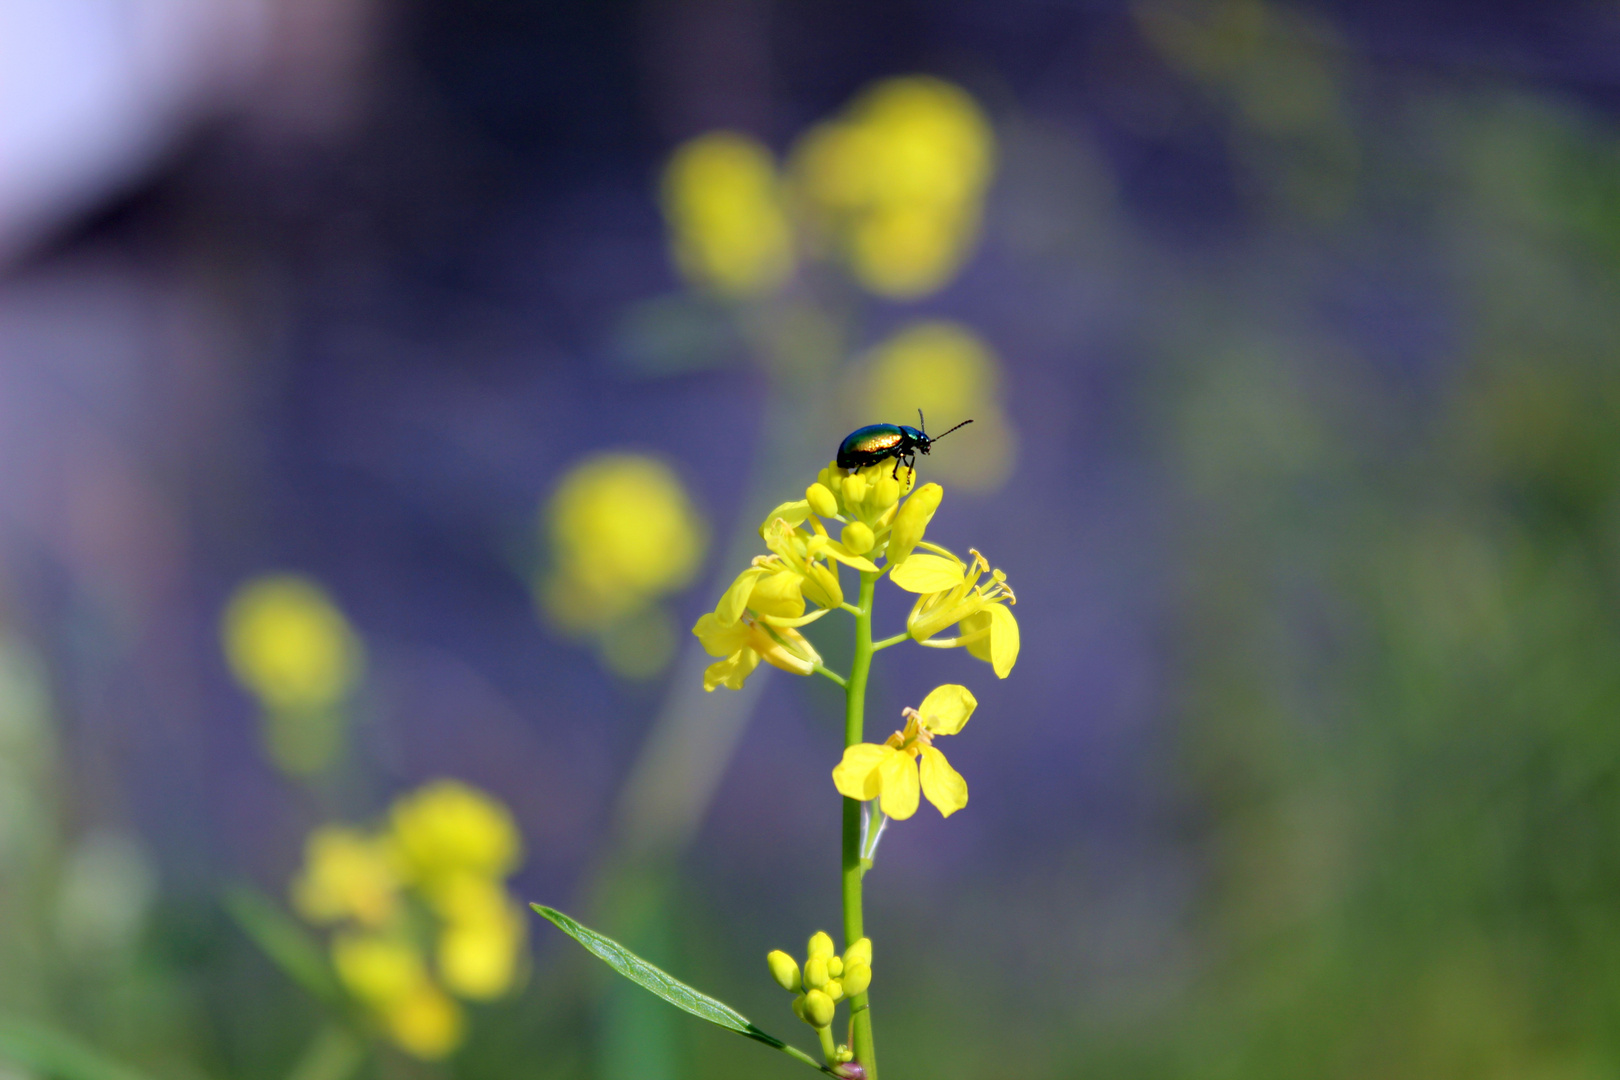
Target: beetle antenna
[
  {"x": 922, "y": 425},
  {"x": 940, "y": 436}
]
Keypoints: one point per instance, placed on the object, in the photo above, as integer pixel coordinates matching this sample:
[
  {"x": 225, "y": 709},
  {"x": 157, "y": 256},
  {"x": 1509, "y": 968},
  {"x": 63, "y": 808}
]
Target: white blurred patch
[{"x": 107, "y": 888}]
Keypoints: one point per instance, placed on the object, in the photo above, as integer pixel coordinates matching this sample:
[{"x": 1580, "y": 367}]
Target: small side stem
[
  {"x": 854, "y": 723},
  {"x": 831, "y": 674},
  {"x": 886, "y": 642}
]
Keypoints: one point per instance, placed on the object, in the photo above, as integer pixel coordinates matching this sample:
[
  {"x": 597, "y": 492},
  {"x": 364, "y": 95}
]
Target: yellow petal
[
  {"x": 911, "y": 519},
  {"x": 946, "y": 708},
  {"x": 927, "y": 574},
  {"x": 778, "y": 594},
  {"x": 731, "y": 671},
  {"x": 791, "y": 512},
  {"x": 856, "y": 777},
  {"x": 719, "y": 639},
  {"x": 785, "y": 648},
  {"x": 821, "y": 587},
  {"x": 1003, "y": 640},
  {"x": 785, "y": 624},
  {"x": 942, "y": 784},
  {"x": 898, "y": 772},
  {"x": 735, "y": 601},
  {"x": 820, "y": 545}
]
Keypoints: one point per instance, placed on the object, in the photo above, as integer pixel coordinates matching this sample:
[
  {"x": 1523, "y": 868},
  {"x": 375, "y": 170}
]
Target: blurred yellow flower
[
  {"x": 376, "y": 968},
  {"x": 623, "y": 534},
  {"x": 287, "y": 643},
  {"x": 950, "y": 594},
  {"x": 890, "y": 772},
  {"x": 897, "y": 183},
  {"x": 481, "y": 947},
  {"x": 346, "y": 875},
  {"x": 290, "y": 646},
  {"x": 729, "y": 229},
  {"x": 947, "y": 371},
  {"x": 447, "y": 828},
  {"x": 425, "y": 1022},
  {"x": 430, "y": 885}
]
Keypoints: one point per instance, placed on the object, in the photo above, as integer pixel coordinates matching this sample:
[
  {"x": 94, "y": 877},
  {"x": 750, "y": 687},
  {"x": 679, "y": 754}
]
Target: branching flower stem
[{"x": 854, "y": 734}]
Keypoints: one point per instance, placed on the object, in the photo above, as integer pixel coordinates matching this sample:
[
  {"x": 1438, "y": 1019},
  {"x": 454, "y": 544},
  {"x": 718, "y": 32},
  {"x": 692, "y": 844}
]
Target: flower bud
[
  {"x": 859, "y": 953},
  {"x": 857, "y": 536},
  {"x": 843, "y": 1053},
  {"x": 784, "y": 969},
  {"x": 798, "y": 1008},
  {"x": 851, "y": 1070},
  {"x": 821, "y": 500},
  {"x": 886, "y": 492},
  {"x": 857, "y": 977},
  {"x": 818, "y": 1009},
  {"x": 912, "y": 519},
  {"x": 854, "y": 490},
  {"x": 815, "y": 972},
  {"x": 820, "y": 945},
  {"x": 834, "y": 990},
  {"x": 835, "y": 967}
]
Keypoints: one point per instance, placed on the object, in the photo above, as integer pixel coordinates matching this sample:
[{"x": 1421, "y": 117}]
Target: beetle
[{"x": 874, "y": 442}]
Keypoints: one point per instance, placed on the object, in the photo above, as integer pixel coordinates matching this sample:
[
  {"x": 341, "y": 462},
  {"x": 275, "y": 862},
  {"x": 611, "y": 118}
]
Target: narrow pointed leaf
[{"x": 665, "y": 985}]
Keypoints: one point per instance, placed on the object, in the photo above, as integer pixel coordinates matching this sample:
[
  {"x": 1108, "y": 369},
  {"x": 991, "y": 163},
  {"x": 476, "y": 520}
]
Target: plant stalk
[{"x": 854, "y": 722}]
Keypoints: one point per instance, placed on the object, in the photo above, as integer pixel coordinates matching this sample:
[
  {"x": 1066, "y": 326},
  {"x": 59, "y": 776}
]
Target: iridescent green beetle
[{"x": 874, "y": 442}]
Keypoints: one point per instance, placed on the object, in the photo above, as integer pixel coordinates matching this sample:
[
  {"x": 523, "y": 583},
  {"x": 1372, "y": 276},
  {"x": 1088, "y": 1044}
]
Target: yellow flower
[
  {"x": 728, "y": 226},
  {"x": 897, "y": 183},
  {"x": 346, "y": 875},
  {"x": 747, "y": 641},
  {"x": 378, "y": 969},
  {"x": 480, "y": 952},
  {"x": 623, "y": 533},
  {"x": 890, "y": 772},
  {"x": 447, "y": 828},
  {"x": 950, "y": 373},
  {"x": 950, "y": 594},
  {"x": 289, "y": 645},
  {"x": 425, "y": 1022}
]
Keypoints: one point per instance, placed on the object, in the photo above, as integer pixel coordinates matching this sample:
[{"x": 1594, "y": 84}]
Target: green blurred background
[{"x": 386, "y": 388}]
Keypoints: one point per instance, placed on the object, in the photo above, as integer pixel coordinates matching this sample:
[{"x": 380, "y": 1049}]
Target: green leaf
[
  {"x": 285, "y": 942},
  {"x": 52, "y": 1053},
  {"x": 666, "y": 986}
]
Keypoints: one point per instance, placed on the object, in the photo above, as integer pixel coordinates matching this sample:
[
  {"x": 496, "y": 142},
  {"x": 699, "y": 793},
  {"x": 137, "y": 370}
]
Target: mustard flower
[
  {"x": 420, "y": 911},
  {"x": 729, "y": 230},
  {"x": 898, "y": 182},
  {"x": 446, "y": 828},
  {"x": 288, "y": 643},
  {"x": 346, "y": 875},
  {"x": 890, "y": 772},
  {"x": 950, "y": 594}
]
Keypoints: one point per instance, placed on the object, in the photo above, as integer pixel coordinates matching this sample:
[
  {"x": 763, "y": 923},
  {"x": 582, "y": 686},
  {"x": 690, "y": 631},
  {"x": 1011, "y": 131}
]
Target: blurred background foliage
[{"x": 374, "y": 424}]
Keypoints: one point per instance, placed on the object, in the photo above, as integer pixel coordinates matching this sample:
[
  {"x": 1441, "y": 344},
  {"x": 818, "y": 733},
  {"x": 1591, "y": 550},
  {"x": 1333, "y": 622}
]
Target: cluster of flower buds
[{"x": 827, "y": 979}]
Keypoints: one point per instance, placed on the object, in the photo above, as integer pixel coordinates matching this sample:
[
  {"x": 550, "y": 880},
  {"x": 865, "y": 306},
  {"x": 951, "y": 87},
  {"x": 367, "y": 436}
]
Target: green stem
[
  {"x": 854, "y": 721},
  {"x": 829, "y": 1050},
  {"x": 831, "y": 674},
  {"x": 886, "y": 642}
]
